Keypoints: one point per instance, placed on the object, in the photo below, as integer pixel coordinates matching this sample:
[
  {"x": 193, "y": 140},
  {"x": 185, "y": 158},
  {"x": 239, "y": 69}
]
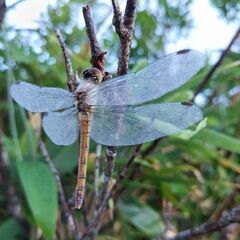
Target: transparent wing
[
  {"x": 128, "y": 125},
  {"x": 41, "y": 99},
  {"x": 61, "y": 127},
  {"x": 165, "y": 75}
]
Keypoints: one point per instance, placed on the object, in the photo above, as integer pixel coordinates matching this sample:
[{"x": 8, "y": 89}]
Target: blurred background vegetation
[{"x": 181, "y": 183}]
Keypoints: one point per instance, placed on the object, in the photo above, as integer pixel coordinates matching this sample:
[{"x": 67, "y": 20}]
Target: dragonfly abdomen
[{"x": 84, "y": 119}]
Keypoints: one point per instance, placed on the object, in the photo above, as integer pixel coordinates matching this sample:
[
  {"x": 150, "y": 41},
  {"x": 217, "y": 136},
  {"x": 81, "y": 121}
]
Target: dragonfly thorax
[{"x": 81, "y": 103}]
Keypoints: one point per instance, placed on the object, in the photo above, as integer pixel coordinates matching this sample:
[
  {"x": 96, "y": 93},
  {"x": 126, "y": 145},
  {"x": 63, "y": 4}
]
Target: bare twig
[
  {"x": 13, "y": 204},
  {"x": 97, "y": 55},
  {"x": 205, "y": 81},
  {"x": 72, "y": 84},
  {"x": 233, "y": 216},
  {"x": 67, "y": 212},
  {"x": 124, "y": 28}
]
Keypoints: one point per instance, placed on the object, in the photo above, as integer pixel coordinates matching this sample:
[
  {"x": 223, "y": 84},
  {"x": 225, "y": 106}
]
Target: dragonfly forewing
[
  {"x": 129, "y": 125},
  {"x": 159, "y": 78},
  {"x": 62, "y": 127},
  {"x": 41, "y": 99}
]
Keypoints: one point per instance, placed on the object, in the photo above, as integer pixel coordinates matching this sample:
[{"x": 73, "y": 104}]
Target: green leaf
[
  {"x": 141, "y": 216},
  {"x": 218, "y": 139},
  {"x": 41, "y": 193},
  {"x": 10, "y": 230}
]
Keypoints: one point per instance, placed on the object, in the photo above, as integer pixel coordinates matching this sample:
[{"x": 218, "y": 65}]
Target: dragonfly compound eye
[{"x": 93, "y": 74}]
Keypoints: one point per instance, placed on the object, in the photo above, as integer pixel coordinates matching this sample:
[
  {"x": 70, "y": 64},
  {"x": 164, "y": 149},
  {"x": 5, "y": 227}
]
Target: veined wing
[
  {"x": 159, "y": 78},
  {"x": 129, "y": 125},
  {"x": 41, "y": 99},
  {"x": 61, "y": 127}
]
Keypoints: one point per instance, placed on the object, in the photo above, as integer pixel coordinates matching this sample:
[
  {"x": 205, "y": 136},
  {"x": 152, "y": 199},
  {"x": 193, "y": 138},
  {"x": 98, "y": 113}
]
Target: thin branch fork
[{"x": 233, "y": 216}]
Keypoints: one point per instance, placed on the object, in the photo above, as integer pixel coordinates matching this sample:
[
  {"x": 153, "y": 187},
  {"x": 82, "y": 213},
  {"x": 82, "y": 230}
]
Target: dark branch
[
  {"x": 125, "y": 29},
  {"x": 97, "y": 55},
  {"x": 67, "y": 212},
  {"x": 216, "y": 65},
  {"x": 117, "y": 18},
  {"x": 72, "y": 84},
  {"x": 232, "y": 216}
]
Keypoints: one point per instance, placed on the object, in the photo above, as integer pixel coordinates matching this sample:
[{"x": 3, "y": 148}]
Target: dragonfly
[{"x": 115, "y": 112}]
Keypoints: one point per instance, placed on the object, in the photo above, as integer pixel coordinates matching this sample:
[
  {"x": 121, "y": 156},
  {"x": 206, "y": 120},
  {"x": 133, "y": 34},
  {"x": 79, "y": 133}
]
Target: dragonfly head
[{"x": 93, "y": 74}]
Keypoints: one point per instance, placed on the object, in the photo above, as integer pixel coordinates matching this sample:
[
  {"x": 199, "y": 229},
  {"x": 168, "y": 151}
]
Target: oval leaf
[{"x": 41, "y": 193}]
